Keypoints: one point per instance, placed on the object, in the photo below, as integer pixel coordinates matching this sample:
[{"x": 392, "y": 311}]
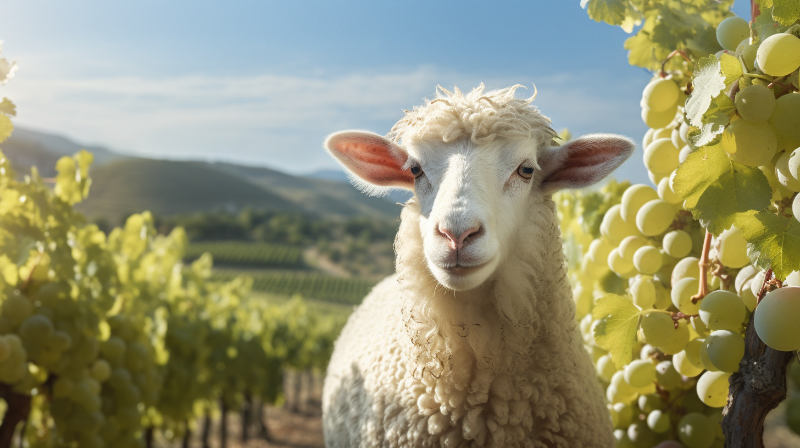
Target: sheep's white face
[{"x": 474, "y": 198}]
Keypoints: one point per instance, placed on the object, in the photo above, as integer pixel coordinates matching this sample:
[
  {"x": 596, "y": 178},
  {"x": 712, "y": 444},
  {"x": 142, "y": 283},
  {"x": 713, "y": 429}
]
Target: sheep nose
[{"x": 457, "y": 241}]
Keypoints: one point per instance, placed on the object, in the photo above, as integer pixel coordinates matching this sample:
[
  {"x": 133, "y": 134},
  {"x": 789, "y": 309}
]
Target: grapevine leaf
[
  {"x": 764, "y": 4},
  {"x": 772, "y": 241},
  {"x": 610, "y": 11},
  {"x": 6, "y": 127},
  {"x": 786, "y": 12},
  {"x": 640, "y": 50},
  {"x": 616, "y": 330},
  {"x": 716, "y": 189},
  {"x": 731, "y": 68},
  {"x": 765, "y": 26},
  {"x": 708, "y": 83},
  {"x": 8, "y": 108},
  {"x": 714, "y": 120},
  {"x": 72, "y": 181}
]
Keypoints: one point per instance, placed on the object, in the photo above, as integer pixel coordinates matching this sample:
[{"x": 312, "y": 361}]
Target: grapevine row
[{"x": 234, "y": 253}]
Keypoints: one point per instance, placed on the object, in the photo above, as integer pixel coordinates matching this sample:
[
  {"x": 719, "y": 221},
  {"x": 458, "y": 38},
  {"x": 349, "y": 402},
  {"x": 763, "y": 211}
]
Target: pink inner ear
[
  {"x": 588, "y": 161},
  {"x": 372, "y": 159}
]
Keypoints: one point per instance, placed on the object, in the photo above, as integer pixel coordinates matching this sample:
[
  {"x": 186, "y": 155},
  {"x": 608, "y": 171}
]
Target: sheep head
[{"x": 474, "y": 181}]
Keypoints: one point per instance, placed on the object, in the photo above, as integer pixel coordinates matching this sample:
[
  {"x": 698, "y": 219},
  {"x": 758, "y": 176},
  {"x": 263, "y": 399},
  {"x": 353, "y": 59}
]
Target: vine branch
[{"x": 703, "y": 288}]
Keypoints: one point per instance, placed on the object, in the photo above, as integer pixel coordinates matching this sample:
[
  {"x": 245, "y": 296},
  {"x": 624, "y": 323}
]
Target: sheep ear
[
  {"x": 374, "y": 162},
  {"x": 584, "y": 161}
]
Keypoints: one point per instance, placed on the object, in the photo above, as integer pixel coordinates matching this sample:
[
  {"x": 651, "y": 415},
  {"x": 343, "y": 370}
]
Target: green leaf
[
  {"x": 786, "y": 12},
  {"x": 731, "y": 68},
  {"x": 6, "y": 127},
  {"x": 616, "y": 330},
  {"x": 708, "y": 82},
  {"x": 8, "y": 108},
  {"x": 716, "y": 189},
  {"x": 610, "y": 11},
  {"x": 772, "y": 241},
  {"x": 764, "y": 4},
  {"x": 640, "y": 51},
  {"x": 72, "y": 181},
  {"x": 714, "y": 120}
]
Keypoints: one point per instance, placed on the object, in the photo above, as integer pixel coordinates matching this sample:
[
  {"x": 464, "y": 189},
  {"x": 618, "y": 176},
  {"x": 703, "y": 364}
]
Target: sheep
[{"x": 473, "y": 342}]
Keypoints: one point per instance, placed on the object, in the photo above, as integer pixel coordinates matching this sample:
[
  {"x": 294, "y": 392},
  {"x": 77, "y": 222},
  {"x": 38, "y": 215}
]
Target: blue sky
[{"x": 263, "y": 82}]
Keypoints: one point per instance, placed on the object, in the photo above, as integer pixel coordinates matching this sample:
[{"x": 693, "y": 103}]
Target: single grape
[
  {"x": 660, "y": 94},
  {"x": 591, "y": 270},
  {"x": 755, "y": 103},
  {"x": 777, "y": 319},
  {"x": 677, "y": 244},
  {"x": 659, "y": 421},
  {"x": 793, "y": 279},
  {"x": 747, "y": 52},
  {"x": 796, "y": 208},
  {"x": 793, "y": 163},
  {"x": 722, "y": 310},
  {"x": 682, "y": 293},
  {"x": 60, "y": 341},
  {"x": 665, "y": 192},
  {"x": 725, "y": 350},
  {"x": 100, "y": 370},
  {"x": 660, "y": 119},
  {"x": 640, "y": 434},
  {"x": 698, "y": 326},
  {"x": 35, "y": 332},
  {"x": 757, "y": 282},
  {"x": 705, "y": 360},
  {"x": 784, "y": 119},
  {"x": 779, "y": 54},
  {"x": 629, "y": 246},
  {"x": 686, "y": 268},
  {"x": 17, "y": 308},
  {"x": 614, "y": 228},
  {"x": 619, "y": 265},
  {"x": 712, "y": 389},
  {"x": 696, "y": 430},
  {"x": 655, "y": 217},
  {"x": 676, "y": 138},
  {"x": 605, "y": 367},
  {"x": 683, "y": 366},
  {"x": 640, "y": 373},
  {"x": 684, "y": 154},
  {"x": 648, "y": 137},
  {"x": 783, "y": 173},
  {"x": 750, "y": 144},
  {"x": 624, "y": 413},
  {"x": 599, "y": 250},
  {"x": 664, "y": 132},
  {"x": 745, "y": 274},
  {"x": 731, "y": 31},
  {"x": 650, "y": 402},
  {"x": 643, "y": 291},
  {"x": 661, "y": 157},
  {"x": 657, "y": 328},
  {"x": 680, "y": 337},
  {"x": 623, "y": 388},
  {"x": 647, "y": 260}
]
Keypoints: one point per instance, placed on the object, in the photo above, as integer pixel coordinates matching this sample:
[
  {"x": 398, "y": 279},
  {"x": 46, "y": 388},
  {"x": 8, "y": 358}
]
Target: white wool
[{"x": 419, "y": 365}]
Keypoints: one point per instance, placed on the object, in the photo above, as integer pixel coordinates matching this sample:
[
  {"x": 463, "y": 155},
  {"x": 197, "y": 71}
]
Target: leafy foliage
[
  {"x": 772, "y": 241},
  {"x": 616, "y": 331}
]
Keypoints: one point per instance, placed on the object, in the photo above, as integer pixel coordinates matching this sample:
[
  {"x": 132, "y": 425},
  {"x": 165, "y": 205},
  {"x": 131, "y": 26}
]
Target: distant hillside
[
  {"x": 394, "y": 196},
  {"x": 168, "y": 187},
  {"x": 26, "y": 148},
  {"x": 320, "y": 196}
]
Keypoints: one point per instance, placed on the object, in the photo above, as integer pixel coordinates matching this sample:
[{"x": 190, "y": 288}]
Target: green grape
[
  {"x": 747, "y": 297},
  {"x": 747, "y": 52},
  {"x": 640, "y": 434},
  {"x": 680, "y": 337},
  {"x": 128, "y": 395},
  {"x": 725, "y": 350},
  {"x": 665, "y": 192},
  {"x": 48, "y": 293},
  {"x": 648, "y": 137},
  {"x": 793, "y": 413},
  {"x": 120, "y": 378},
  {"x": 684, "y": 154},
  {"x": 660, "y": 119},
  {"x": 624, "y": 414},
  {"x": 599, "y": 250},
  {"x": 712, "y": 389},
  {"x": 86, "y": 350},
  {"x": 136, "y": 357},
  {"x": 634, "y": 198},
  {"x": 663, "y": 132},
  {"x": 657, "y": 328},
  {"x": 647, "y": 260},
  {"x": 17, "y": 308},
  {"x": 783, "y": 173},
  {"x": 757, "y": 282},
  {"x": 619, "y": 265},
  {"x": 605, "y": 367},
  {"x": 62, "y": 387},
  {"x": 5, "y": 349},
  {"x": 796, "y": 209},
  {"x": 629, "y": 246},
  {"x": 745, "y": 274},
  {"x": 618, "y": 382},
  {"x": 113, "y": 350},
  {"x": 622, "y": 440},
  {"x": 592, "y": 270},
  {"x": 659, "y": 421},
  {"x": 35, "y": 332},
  {"x": 650, "y": 402},
  {"x": 705, "y": 360},
  {"x": 777, "y": 319},
  {"x": 750, "y": 144},
  {"x": 682, "y": 293},
  {"x": 643, "y": 292},
  {"x": 793, "y": 279},
  {"x": 614, "y": 228},
  {"x": 640, "y": 373},
  {"x": 687, "y": 362},
  {"x": 784, "y": 119},
  {"x": 696, "y": 430},
  {"x": 660, "y": 94},
  {"x": 655, "y": 217},
  {"x": 699, "y": 327},
  {"x": 731, "y": 31},
  {"x": 793, "y": 164},
  {"x": 722, "y": 310},
  {"x": 677, "y": 244},
  {"x": 663, "y": 300},
  {"x": 779, "y": 54},
  {"x": 60, "y": 341},
  {"x": 656, "y": 178},
  {"x": 667, "y": 376},
  {"x": 676, "y": 138},
  {"x": 100, "y": 370},
  {"x": 661, "y": 157},
  {"x": 755, "y": 103}
]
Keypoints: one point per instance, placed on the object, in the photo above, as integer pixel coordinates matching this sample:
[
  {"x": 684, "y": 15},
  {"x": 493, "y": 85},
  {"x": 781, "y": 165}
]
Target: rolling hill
[{"x": 123, "y": 184}]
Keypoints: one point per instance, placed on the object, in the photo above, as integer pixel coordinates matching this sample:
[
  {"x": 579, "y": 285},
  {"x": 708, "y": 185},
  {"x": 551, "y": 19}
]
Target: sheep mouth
[{"x": 460, "y": 270}]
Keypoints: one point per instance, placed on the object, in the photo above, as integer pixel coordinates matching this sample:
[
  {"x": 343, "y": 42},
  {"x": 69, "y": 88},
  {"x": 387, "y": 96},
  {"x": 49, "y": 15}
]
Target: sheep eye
[
  {"x": 526, "y": 172},
  {"x": 416, "y": 171}
]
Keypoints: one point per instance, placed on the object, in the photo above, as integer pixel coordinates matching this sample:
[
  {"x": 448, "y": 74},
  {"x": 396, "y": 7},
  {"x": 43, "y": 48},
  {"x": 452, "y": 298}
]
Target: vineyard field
[
  {"x": 251, "y": 254},
  {"x": 312, "y": 285}
]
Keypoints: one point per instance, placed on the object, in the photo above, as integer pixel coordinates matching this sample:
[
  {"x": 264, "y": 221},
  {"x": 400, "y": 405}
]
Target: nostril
[
  {"x": 458, "y": 241},
  {"x": 469, "y": 233},
  {"x": 451, "y": 239}
]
